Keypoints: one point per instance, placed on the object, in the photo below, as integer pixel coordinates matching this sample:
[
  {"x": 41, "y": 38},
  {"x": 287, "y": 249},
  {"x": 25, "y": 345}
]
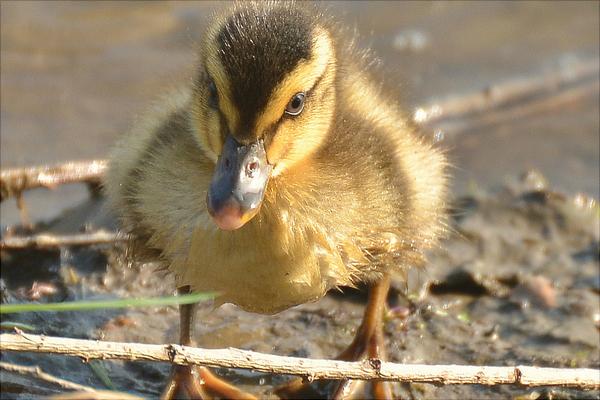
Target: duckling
[{"x": 281, "y": 173}]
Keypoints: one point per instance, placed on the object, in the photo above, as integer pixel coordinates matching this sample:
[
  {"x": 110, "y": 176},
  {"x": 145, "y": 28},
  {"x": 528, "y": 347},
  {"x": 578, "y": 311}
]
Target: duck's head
[{"x": 263, "y": 101}]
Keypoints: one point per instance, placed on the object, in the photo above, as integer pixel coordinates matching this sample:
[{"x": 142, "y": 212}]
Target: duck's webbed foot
[
  {"x": 184, "y": 380},
  {"x": 200, "y": 383},
  {"x": 367, "y": 344},
  {"x": 194, "y": 382}
]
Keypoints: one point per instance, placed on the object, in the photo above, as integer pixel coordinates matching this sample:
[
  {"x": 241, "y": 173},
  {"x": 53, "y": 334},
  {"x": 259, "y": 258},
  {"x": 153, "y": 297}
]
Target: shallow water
[{"x": 75, "y": 76}]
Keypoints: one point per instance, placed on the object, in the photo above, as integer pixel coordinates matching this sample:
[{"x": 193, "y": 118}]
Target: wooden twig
[
  {"x": 570, "y": 95},
  {"x": 37, "y": 372},
  {"x": 312, "y": 369},
  {"x": 512, "y": 92},
  {"x": 23, "y": 213},
  {"x": 47, "y": 241},
  {"x": 15, "y": 180}
]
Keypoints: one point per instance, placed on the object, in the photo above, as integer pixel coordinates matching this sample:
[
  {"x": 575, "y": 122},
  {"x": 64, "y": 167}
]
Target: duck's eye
[
  {"x": 213, "y": 95},
  {"x": 296, "y": 104}
]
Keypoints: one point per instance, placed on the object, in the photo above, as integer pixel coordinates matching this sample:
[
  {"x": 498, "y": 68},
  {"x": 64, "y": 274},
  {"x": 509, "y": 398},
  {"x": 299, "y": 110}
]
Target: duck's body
[
  {"x": 366, "y": 204},
  {"x": 354, "y": 193}
]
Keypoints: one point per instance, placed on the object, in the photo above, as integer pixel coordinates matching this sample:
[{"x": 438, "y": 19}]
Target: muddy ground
[{"x": 517, "y": 282}]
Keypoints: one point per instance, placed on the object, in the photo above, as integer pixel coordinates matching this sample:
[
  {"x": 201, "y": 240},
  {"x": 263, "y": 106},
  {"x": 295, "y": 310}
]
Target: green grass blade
[
  {"x": 99, "y": 369},
  {"x": 11, "y": 325},
  {"x": 102, "y": 304}
]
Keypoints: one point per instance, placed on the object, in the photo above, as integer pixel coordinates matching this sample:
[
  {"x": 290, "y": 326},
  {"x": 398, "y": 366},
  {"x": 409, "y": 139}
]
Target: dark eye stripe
[{"x": 213, "y": 94}]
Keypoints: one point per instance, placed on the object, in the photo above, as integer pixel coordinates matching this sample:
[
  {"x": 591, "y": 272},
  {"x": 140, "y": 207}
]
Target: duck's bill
[{"x": 238, "y": 184}]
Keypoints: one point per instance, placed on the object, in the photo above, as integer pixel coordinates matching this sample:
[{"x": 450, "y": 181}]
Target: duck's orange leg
[
  {"x": 196, "y": 382},
  {"x": 368, "y": 343}
]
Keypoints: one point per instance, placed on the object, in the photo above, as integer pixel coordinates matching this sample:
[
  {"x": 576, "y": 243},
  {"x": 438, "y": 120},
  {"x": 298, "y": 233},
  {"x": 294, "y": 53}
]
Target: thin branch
[
  {"x": 312, "y": 369},
  {"x": 37, "y": 372},
  {"x": 512, "y": 92},
  {"x": 16, "y": 180},
  {"x": 570, "y": 95},
  {"x": 47, "y": 241},
  {"x": 23, "y": 213}
]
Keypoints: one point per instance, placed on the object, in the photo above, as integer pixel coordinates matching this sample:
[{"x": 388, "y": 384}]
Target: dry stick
[
  {"x": 15, "y": 180},
  {"x": 47, "y": 241},
  {"x": 312, "y": 369},
  {"x": 24, "y": 215},
  {"x": 565, "y": 97},
  {"x": 508, "y": 92},
  {"x": 44, "y": 376}
]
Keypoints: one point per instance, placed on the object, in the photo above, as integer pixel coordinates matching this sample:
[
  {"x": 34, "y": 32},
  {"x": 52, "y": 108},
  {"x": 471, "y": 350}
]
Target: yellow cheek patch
[
  {"x": 302, "y": 78},
  {"x": 296, "y": 141},
  {"x": 278, "y": 148},
  {"x": 203, "y": 126},
  {"x": 214, "y": 137},
  {"x": 217, "y": 72}
]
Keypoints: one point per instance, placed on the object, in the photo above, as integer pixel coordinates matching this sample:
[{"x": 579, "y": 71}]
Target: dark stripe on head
[{"x": 259, "y": 45}]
